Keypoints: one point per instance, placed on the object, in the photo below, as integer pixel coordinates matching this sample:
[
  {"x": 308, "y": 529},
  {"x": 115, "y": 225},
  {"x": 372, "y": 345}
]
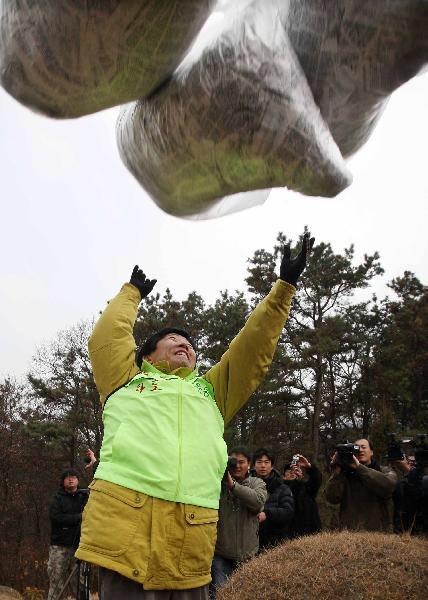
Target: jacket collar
[
  {"x": 274, "y": 481},
  {"x": 63, "y": 492},
  {"x": 164, "y": 368}
]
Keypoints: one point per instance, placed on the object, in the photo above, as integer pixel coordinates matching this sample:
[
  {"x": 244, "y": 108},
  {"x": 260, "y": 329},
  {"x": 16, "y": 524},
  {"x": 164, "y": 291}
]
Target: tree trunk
[{"x": 319, "y": 374}]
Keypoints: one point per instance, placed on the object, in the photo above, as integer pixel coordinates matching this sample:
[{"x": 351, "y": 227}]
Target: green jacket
[
  {"x": 364, "y": 497},
  {"x": 160, "y": 543},
  {"x": 187, "y": 424},
  {"x": 238, "y": 527}
]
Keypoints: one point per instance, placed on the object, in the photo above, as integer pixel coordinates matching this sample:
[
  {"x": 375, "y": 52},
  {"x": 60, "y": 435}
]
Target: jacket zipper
[{"x": 180, "y": 437}]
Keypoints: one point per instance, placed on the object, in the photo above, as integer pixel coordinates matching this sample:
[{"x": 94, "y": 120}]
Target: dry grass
[
  {"x": 335, "y": 566},
  {"x": 91, "y": 597}
]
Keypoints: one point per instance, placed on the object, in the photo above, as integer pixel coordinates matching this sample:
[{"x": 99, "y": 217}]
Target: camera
[
  {"x": 345, "y": 453},
  {"x": 295, "y": 459},
  {"x": 419, "y": 445},
  {"x": 395, "y": 451},
  {"x": 232, "y": 463}
]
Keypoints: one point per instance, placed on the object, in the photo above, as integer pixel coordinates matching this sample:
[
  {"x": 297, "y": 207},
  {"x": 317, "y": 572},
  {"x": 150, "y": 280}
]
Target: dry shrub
[
  {"x": 333, "y": 566},
  {"x": 7, "y": 593}
]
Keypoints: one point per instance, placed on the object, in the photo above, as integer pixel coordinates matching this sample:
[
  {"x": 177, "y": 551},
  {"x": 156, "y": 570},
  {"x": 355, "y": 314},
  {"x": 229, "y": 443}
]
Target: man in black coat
[
  {"x": 65, "y": 514},
  {"x": 278, "y": 511},
  {"x": 411, "y": 496},
  {"x": 304, "y": 480}
]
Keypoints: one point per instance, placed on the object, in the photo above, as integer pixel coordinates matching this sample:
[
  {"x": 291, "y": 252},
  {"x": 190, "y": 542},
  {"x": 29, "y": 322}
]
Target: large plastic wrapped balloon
[
  {"x": 243, "y": 113},
  {"x": 68, "y": 58},
  {"x": 276, "y": 96},
  {"x": 240, "y": 116},
  {"x": 355, "y": 53}
]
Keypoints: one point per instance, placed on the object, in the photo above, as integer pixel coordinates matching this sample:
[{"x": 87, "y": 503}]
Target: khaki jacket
[
  {"x": 238, "y": 527},
  {"x": 159, "y": 543},
  {"x": 364, "y": 497}
]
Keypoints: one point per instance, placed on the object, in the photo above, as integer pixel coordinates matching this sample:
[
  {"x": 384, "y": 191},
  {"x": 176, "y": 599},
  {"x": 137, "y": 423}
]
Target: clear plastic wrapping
[
  {"x": 276, "y": 94},
  {"x": 267, "y": 98},
  {"x": 239, "y": 116},
  {"x": 68, "y": 58},
  {"x": 354, "y": 54}
]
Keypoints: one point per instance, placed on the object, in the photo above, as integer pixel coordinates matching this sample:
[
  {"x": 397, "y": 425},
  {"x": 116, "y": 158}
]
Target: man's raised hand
[
  {"x": 292, "y": 268},
  {"x": 141, "y": 282}
]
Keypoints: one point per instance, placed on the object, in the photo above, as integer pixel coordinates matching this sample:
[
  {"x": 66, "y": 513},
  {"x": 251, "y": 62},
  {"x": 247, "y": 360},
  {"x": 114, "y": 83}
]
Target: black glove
[
  {"x": 292, "y": 268},
  {"x": 141, "y": 282}
]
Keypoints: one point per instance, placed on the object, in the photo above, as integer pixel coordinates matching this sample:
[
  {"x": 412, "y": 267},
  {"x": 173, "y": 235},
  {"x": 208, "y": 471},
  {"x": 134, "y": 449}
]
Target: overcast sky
[{"x": 74, "y": 221}]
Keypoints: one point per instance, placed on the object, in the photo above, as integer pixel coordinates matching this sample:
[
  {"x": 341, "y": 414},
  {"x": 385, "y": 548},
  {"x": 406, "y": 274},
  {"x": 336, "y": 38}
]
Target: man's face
[
  {"x": 176, "y": 350},
  {"x": 263, "y": 466},
  {"x": 71, "y": 483},
  {"x": 365, "y": 455},
  {"x": 411, "y": 460},
  {"x": 294, "y": 473},
  {"x": 242, "y": 466}
]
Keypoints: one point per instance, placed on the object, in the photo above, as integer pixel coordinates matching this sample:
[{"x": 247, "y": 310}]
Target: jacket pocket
[
  {"x": 200, "y": 532},
  {"x": 111, "y": 518}
]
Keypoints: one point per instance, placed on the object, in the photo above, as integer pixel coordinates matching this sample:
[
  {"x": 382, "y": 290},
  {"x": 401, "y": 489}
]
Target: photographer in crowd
[
  {"x": 65, "y": 514},
  {"x": 241, "y": 499},
  {"x": 411, "y": 496},
  {"x": 404, "y": 514},
  {"x": 278, "y": 511},
  {"x": 304, "y": 480},
  {"x": 363, "y": 489}
]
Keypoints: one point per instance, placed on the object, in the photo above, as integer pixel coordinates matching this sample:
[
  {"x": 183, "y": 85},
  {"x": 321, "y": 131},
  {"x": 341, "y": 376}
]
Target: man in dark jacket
[
  {"x": 278, "y": 511},
  {"x": 241, "y": 499},
  {"x": 304, "y": 481},
  {"x": 411, "y": 497},
  {"x": 65, "y": 514},
  {"x": 364, "y": 491}
]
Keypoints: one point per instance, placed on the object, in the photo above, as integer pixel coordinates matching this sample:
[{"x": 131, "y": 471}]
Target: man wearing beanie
[
  {"x": 65, "y": 512},
  {"x": 150, "y": 523}
]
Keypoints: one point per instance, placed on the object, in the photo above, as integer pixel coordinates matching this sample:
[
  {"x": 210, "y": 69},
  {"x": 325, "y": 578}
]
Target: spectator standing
[
  {"x": 242, "y": 497},
  {"x": 304, "y": 480},
  {"x": 364, "y": 490},
  {"x": 411, "y": 498},
  {"x": 278, "y": 511},
  {"x": 65, "y": 514}
]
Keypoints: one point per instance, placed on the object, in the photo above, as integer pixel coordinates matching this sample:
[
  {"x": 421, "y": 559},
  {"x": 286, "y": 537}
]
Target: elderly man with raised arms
[{"x": 150, "y": 522}]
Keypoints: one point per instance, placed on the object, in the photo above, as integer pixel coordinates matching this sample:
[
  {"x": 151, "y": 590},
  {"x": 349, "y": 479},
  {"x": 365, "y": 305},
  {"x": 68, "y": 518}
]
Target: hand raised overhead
[
  {"x": 292, "y": 268},
  {"x": 140, "y": 281}
]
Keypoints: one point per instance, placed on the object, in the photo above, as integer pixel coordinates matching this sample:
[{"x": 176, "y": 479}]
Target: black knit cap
[{"x": 150, "y": 344}]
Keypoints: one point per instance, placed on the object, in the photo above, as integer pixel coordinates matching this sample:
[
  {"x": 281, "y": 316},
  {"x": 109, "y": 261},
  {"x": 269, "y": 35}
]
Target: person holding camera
[
  {"x": 411, "y": 495},
  {"x": 304, "y": 479},
  {"x": 241, "y": 499},
  {"x": 404, "y": 515},
  {"x": 362, "y": 488},
  {"x": 65, "y": 513},
  {"x": 278, "y": 511},
  {"x": 151, "y": 520}
]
